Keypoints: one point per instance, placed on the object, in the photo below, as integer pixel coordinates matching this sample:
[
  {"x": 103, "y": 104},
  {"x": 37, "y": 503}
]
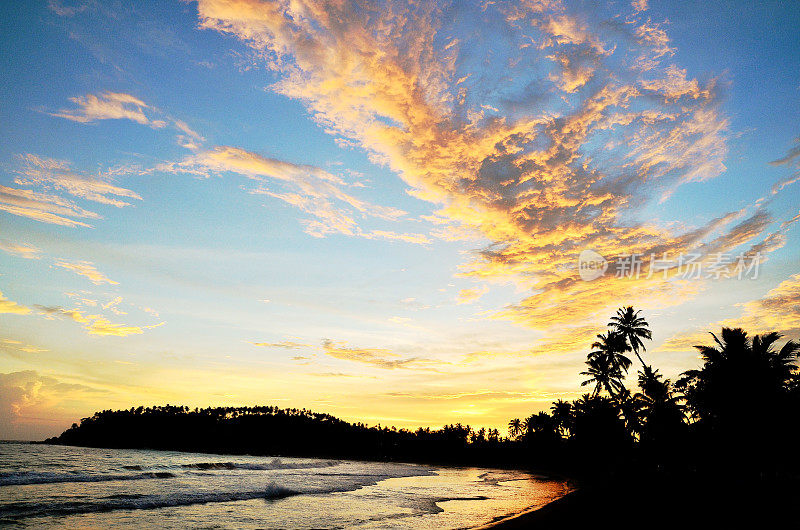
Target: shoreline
[
  {"x": 675, "y": 503},
  {"x": 470, "y": 484},
  {"x": 546, "y": 473},
  {"x": 557, "y": 511}
]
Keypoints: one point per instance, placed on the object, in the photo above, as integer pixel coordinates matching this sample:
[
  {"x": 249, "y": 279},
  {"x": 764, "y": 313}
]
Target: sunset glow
[{"x": 376, "y": 209}]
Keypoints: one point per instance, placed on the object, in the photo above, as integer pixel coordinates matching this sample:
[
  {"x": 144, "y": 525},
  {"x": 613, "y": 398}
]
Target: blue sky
[{"x": 376, "y": 211}]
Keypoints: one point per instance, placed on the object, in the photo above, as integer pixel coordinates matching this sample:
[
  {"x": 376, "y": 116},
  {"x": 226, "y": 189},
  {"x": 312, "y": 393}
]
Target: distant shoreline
[{"x": 539, "y": 472}]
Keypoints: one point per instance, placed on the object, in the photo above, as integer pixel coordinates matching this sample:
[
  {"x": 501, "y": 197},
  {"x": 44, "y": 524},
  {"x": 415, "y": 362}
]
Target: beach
[
  {"x": 682, "y": 502},
  {"x": 66, "y": 487}
]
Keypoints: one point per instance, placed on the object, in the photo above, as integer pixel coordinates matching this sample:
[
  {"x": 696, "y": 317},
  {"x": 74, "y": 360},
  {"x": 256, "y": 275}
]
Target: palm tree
[
  {"x": 738, "y": 375},
  {"x": 598, "y": 427},
  {"x": 782, "y": 361},
  {"x": 744, "y": 400},
  {"x": 633, "y": 328},
  {"x": 612, "y": 346},
  {"x": 655, "y": 389},
  {"x": 562, "y": 415},
  {"x": 630, "y": 407},
  {"x": 528, "y": 424},
  {"x": 604, "y": 375},
  {"x": 661, "y": 410},
  {"x": 514, "y": 427},
  {"x": 540, "y": 425}
]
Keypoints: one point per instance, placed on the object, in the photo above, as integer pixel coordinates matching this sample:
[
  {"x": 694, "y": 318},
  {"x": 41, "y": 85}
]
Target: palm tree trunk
[{"x": 636, "y": 352}]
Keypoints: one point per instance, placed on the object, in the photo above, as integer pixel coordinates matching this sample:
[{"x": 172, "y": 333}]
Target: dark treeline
[
  {"x": 275, "y": 431},
  {"x": 734, "y": 419},
  {"x": 735, "y": 416}
]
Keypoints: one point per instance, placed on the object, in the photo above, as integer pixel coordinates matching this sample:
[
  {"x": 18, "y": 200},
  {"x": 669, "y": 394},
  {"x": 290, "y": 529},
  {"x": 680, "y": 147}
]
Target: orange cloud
[
  {"x": 87, "y": 269},
  {"x": 377, "y": 357},
  {"x": 120, "y": 106},
  {"x": 468, "y": 296},
  {"x": 8, "y": 306},
  {"x": 309, "y": 188},
  {"x": 20, "y": 249},
  {"x": 102, "y": 326},
  {"x": 286, "y": 344},
  {"x": 107, "y": 106},
  {"x": 52, "y": 173},
  {"x": 42, "y": 207},
  {"x": 778, "y": 310},
  {"x": 16, "y": 345},
  {"x": 96, "y": 324},
  {"x": 539, "y": 179},
  {"x": 32, "y": 404}
]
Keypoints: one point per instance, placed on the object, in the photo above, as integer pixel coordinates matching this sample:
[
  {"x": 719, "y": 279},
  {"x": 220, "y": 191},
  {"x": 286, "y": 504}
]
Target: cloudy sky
[{"x": 376, "y": 209}]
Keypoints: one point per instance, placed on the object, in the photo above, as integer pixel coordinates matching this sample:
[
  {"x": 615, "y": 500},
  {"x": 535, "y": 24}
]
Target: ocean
[{"x": 77, "y": 487}]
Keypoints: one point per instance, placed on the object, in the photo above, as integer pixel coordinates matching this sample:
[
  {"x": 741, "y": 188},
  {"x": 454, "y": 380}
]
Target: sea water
[{"x": 78, "y": 487}]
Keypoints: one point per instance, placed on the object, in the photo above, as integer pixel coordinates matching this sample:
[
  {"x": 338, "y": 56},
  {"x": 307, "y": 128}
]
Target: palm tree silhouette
[
  {"x": 562, "y": 415},
  {"x": 633, "y": 328},
  {"x": 630, "y": 407},
  {"x": 744, "y": 401},
  {"x": 782, "y": 361},
  {"x": 657, "y": 401},
  {"x": 654, "y": 387},
  {"x": 514, "y": 427},
  {"x": 541, "y": 424},
  {"x": 714, "y": 392},
  {"x": 603, "y": 375},
  {"x": 612, "y": 347}
]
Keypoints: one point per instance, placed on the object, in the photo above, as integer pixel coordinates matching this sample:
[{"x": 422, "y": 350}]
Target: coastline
[
  {"x": 518, "y": 520},
  {"x": 437, "y": 462},
  {"x": 94, "y": 488},
  {"x": 561, "y": 511},
  {"x": 676, "y": 503}
]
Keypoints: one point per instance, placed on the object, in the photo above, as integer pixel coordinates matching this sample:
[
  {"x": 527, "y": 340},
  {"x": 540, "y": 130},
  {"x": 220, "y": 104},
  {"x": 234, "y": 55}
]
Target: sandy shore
[
  {"x": 682, "y": 504},
  {"x": 562, "y": 511}
]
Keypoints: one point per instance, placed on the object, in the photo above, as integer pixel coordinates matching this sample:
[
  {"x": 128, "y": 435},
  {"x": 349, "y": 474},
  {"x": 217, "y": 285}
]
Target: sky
[{"x": 380, "y": 210}]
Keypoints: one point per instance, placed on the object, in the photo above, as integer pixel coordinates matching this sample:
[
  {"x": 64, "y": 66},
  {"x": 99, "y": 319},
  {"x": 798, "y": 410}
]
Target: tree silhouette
[
  {"x": 736, "y": 414},
  {"x": 633, "y": 328},
  {"x": 744, "y": 399},
  {"x": 603, "y": 375},
  {"x": 661, "y": 411},
  {"x": 514, "y": 427},
  {"x": 598, "y": 431},
  {"x": 630, "y": 410},
  {"x": 561, "y": 412},
  {"x": 612, "y": 347}
]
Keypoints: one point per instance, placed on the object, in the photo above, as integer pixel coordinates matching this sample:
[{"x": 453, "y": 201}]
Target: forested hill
[{"x": 275, "y": 431}]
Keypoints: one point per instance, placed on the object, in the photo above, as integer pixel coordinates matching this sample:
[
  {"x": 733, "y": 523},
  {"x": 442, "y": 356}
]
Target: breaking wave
[
  {"x": 21, "y": 510},
  {"x": 272, "y": 465},
  {"x": 23, "y": 478}
]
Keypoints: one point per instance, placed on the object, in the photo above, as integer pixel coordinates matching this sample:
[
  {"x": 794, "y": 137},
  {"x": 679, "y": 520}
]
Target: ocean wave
[
  {"x": 274, "y": 464},
  {"x": 24, "y": 478},
  {"x": 23, "y": 510}
]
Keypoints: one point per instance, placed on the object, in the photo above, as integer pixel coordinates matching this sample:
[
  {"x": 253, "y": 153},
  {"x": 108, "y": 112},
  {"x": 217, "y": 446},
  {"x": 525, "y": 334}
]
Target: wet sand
[{"x": 683, "y": 504}]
